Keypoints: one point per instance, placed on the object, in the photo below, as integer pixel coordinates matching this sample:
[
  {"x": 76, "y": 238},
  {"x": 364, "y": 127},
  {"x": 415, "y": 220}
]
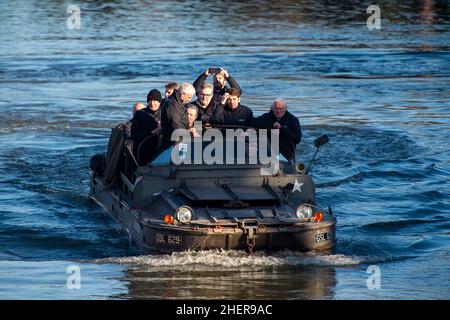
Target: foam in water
[{"x": 241, "y": 259}]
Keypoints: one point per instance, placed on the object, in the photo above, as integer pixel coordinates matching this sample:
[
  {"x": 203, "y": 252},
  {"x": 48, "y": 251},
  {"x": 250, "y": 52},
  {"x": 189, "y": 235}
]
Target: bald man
[
  {"x": 137, "y": 106},
  {"x": 280, "y": 118}
]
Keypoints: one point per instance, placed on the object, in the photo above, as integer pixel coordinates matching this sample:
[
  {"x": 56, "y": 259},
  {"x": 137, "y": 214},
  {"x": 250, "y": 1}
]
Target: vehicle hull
[{"x": 156, "y": 236}]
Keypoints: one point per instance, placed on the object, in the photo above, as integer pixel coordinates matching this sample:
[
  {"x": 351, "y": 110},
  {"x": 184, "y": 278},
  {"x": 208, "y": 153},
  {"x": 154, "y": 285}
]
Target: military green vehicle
[{"x": 171, "y": 204}]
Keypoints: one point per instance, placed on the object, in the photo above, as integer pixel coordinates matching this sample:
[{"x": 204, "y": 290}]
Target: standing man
[
  {"x": 279, "y": 118},
  {"x": 144, "y": 119},
  {"x": 173, "y": 113},
  {"x": 169, "y": 89},
  {"x": 233, "y": 113},
  {"x": 221, "y": 77},
  {"x": 205, "y": 103},
  {"x": 154, "y": 101},
  {"x": 145, "y": 128}
]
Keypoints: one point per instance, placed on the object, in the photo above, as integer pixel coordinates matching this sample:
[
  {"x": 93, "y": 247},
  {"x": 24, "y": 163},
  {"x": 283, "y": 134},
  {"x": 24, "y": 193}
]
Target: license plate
[
  {"x": 321, "y": 237},
  {"x": 169, "y": 239}
]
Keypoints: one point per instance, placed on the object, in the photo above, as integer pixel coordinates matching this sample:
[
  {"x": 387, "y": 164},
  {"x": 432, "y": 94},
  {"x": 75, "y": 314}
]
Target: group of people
[{"x": 217, "y": 104}]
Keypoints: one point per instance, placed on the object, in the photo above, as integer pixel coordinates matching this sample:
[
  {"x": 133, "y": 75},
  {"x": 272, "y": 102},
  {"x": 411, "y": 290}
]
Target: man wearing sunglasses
[{"x": 205, "y": 103}]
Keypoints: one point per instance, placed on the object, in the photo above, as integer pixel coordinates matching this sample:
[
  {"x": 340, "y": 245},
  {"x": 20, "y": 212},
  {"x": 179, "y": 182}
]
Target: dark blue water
[{"x": 382, "y": 96}]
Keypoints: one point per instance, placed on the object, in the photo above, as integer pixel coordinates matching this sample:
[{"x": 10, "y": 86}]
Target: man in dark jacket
[
  {"x": 145, "y": 128},
  {"x": 233, "y": 113},
  {"x": 279, "y": 118},
  {"x": 170, "y": 87},
  {"x": 221, "y": 77},
  {"x": 205, "y": 103},
  {"x": 154, "y": 100},
  {"x": 173, "y": 113}
]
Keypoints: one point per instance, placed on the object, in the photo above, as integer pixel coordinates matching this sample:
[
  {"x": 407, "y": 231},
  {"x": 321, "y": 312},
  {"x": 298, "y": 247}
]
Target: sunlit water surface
[{"x": 382, "y": 96}]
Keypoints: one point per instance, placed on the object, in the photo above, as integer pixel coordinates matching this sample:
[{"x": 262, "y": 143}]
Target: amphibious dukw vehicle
[{"x": 171, "y": 204}]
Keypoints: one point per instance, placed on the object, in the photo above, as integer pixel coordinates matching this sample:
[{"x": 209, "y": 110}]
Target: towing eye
[{"x": 250, "y": 226}]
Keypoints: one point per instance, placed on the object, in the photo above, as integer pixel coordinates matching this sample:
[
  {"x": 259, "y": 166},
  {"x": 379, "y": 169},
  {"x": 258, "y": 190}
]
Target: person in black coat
[
  {"x": 173, "y": 113},
  {"x": 233, "y": 113},
  {"x": 288, "y": 124},
  {"x": 221, "y": 78},
  {"x": 170, "y": 87},
  {"x": 145, "y": 128},
  {"x": 205, "y": 104}
]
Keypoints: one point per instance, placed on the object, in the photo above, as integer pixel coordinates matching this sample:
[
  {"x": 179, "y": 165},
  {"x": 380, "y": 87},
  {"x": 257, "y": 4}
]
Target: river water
[{"x": 381, "y": 95}]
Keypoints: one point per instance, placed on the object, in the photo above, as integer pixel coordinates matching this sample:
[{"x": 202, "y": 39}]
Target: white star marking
[{"x": 297, "y": 186}]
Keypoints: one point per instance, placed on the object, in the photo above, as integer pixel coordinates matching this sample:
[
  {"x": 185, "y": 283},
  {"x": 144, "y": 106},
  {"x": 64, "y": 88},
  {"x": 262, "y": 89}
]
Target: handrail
[
  {"x": 131, "y": 154},
  {"x": 140, "y": 145}
]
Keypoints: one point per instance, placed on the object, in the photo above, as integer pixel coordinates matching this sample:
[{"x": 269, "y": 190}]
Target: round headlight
[
  {"x": 184, "y": 214},
  {"x": 304, "y": 212}
]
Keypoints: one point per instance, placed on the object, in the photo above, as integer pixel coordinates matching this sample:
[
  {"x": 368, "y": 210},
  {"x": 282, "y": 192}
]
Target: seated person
[
  {"x": 205, "y": 103},
  {"x": 192, "y": 112},
  {"x": 137, "y": 106},
  {"x": 145, "y": 129},
  {"x": 170, "y": 88},
  {"x": 233, "y": 113},
  {"x": 279, "y": 118},
  {"x": 173, "y": 113},
  {"x": 154, "y": 101},
  {"x": 220, "y": 82}
]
